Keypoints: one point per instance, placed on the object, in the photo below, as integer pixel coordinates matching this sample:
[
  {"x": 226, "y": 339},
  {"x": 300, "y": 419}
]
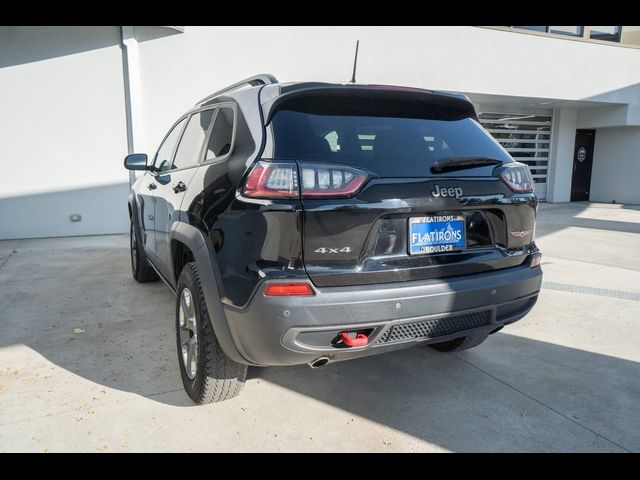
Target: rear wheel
[
  {"x": 208, "y": 375},
  {"x": 462, "y": 343},
  {"x": 141, "y": 270}
]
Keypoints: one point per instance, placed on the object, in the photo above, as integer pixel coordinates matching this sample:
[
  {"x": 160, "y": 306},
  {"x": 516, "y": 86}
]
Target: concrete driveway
[{"x": 88, "y": 363}]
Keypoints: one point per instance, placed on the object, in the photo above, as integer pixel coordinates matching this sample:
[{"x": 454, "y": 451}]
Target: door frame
[{"x": 590, "y": 165}]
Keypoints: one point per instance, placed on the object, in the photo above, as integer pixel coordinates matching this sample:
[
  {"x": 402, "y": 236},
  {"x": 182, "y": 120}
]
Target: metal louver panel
[{"x": 527, "y": 138}]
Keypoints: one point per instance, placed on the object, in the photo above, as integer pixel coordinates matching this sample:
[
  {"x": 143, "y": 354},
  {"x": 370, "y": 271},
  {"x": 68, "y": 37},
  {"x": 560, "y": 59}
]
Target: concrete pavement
[{"x": 566, "y": 378}]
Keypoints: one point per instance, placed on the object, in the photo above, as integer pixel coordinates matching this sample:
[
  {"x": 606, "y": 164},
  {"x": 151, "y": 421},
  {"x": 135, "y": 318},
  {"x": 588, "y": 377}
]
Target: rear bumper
[{"x": 296, "y": 330}]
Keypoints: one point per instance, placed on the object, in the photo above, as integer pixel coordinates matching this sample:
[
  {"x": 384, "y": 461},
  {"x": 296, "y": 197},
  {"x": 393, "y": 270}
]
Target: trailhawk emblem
[
  {"x": 521, "y": 233},
  {"x": 439, "y": 191}
]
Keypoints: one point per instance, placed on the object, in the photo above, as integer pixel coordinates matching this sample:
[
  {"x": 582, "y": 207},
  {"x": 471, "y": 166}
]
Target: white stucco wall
[
  {"x": 62, "y": 131},
  {"x": 63, "y": 122},
  {"x": 616, "y": 166},
  {"x": 179, "y": 70}
]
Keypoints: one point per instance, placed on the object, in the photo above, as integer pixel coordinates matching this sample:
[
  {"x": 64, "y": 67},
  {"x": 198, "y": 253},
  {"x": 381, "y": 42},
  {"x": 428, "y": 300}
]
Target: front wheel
[
  {"x": 141, "y": 270},
  {"x": 462, "y": 343},
  {"x": 208, "y": 375}
]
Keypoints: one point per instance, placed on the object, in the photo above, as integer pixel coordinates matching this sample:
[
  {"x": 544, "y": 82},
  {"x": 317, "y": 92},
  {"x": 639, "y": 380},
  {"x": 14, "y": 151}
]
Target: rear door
[
  {"x": 162, "y": 161},
  {"x": 407, "y": 222},
  {"x": 173, "y": 181}
]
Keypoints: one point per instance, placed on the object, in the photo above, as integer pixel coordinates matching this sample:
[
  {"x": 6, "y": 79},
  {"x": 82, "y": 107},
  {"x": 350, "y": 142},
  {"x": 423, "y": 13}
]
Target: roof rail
[{"x": 262, "y": 79}]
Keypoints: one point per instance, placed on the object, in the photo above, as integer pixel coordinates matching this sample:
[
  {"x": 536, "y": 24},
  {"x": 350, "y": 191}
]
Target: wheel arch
[
  {"x": 190, "y": 242},
  {"x": 133, "y": 214}
]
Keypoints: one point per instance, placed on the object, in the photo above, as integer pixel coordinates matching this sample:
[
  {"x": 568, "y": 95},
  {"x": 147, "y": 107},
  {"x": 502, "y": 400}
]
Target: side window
[
  {"x": 334, "y": 141},
  {"x": 163, "y": 157},
  {"x": 221, "y": 134},
  {"x": 192, "y": 139}
]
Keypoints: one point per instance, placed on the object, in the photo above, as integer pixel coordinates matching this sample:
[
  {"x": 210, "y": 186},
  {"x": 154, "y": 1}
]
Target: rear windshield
[{"x": 392, "y": 139}]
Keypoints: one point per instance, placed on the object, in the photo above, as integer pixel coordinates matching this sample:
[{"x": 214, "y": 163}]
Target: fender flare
[
  {"x": 204, "y": 257},
  {"x": 134, "y": 217}
]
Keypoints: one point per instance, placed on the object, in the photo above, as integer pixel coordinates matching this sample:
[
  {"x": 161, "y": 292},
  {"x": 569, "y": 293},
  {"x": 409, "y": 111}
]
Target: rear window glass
[{"x": 392, "y": 140}]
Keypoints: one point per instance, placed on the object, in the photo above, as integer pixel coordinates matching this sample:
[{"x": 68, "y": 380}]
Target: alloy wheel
[{"x": 188, "y": 333}]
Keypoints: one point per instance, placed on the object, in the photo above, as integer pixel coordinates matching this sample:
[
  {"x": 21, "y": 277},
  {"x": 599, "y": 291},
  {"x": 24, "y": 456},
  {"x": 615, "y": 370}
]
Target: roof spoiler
[
  {"x": 444, "y": 99},
  {"x": 262, "y": 79}
]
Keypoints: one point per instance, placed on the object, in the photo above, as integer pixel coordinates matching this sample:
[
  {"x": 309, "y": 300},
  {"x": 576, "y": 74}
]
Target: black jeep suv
[{"x": 313, "y": 223}]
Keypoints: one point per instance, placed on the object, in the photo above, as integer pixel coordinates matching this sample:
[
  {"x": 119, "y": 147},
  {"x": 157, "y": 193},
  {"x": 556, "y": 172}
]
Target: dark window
[
  {"x": 390, "y": 139},
  {"x": 165, "y": 152},
  {"x": 607, "y": 34},
  {"x": 221, "y": 134},
  {"x": 190, "y": 146}
]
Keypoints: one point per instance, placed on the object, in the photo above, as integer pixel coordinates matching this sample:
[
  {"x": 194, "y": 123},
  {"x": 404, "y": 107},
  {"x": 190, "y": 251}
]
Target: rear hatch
[{"x": 400, "y": 185}]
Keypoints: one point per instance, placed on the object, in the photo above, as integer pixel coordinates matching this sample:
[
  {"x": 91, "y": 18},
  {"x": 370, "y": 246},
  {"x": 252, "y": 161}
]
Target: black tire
[
  {"x": 462, "y": 343},
  {"x": 141, "y": 270},
  {"x": 217, "y": 377}
]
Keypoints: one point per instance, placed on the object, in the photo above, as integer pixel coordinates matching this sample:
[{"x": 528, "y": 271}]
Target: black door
[
  {"x": 582, "y": 160},
  {"x": 173, "y": 183}
]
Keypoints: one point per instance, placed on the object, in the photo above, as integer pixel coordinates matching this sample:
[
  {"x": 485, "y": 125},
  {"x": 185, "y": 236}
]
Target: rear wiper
[{"x": 449, "y": 164}]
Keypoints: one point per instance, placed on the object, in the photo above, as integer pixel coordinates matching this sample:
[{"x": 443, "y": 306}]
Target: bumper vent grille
[{"x": 434, "y": 328}]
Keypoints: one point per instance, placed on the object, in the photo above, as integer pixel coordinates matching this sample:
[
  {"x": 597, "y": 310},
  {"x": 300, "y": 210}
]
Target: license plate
[{"x": 436, "y": 234}]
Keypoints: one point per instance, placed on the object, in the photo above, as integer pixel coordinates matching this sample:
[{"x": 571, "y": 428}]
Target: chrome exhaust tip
[{"x": 319, "y": 362}]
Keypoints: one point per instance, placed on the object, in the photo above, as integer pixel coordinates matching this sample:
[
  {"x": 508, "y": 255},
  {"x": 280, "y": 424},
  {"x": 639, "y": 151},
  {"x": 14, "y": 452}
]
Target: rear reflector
[
  {"x": 536, "y": 260},
  {"x": 288, "y": 289}
]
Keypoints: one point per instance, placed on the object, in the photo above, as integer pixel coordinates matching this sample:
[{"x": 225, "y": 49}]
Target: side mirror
[{"x": 136, "y": 161}]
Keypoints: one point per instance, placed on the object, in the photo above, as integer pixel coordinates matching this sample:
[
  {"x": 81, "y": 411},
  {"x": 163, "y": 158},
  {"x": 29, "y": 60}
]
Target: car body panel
[{"x": 241, "y": 244}]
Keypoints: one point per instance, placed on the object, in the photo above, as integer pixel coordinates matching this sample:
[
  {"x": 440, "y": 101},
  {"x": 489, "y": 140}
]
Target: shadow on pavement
[
  {"x": 508, "y": 394},
  {"x": 473, "y": 400}
]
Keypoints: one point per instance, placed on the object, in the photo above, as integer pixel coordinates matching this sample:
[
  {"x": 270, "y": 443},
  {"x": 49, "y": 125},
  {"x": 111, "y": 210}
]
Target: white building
[{"x": 76, "y": 100}]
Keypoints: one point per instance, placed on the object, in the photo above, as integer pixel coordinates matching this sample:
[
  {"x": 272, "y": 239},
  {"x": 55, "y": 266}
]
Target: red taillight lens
[
  {"x": 517, "y": 178},
  {"x": 288, "y": 289},
  {"x": 280, "y": 180},
  {"x": 272, "y": 180}
]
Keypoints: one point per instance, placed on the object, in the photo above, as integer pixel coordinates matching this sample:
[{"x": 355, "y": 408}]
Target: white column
[
  {"x": 563, "y": 137},
  {"x": 133, "y": 95}
]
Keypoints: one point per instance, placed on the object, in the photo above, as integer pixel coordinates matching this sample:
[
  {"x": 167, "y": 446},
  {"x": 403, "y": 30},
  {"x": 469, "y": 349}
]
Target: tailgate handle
[{"x": 359, "y": 341}]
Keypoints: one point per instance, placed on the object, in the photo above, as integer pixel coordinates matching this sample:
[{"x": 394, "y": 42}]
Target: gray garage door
[{"x": 527, "y": 138}]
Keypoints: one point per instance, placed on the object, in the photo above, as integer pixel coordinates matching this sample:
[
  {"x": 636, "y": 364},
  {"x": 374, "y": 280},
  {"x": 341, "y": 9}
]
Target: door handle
[
  {"x": 152, "y": 186},
  {"x": 179, "y": 187}
]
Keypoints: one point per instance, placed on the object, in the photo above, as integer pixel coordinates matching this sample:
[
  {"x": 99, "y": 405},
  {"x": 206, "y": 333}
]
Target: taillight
[
  {"x": 280, "y": 180},
  {"x": 288, "y": 289},
  {"x": 333, "y": 181},
  {"x": 517, "y": 177},
  {"x": 272, "y": 180}
]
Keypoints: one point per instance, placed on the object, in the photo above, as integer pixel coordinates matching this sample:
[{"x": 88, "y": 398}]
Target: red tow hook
[{"x": 360, "y": 339}]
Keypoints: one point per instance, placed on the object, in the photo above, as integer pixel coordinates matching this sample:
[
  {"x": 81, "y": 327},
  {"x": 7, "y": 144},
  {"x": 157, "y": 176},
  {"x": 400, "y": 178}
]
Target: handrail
[{"x": 262, "y": 79}]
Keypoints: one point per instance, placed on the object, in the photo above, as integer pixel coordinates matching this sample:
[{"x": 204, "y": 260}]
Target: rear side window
[
  {"x": 190, "y": 146},
  {"x": 221, "y": 134},
  {"x": 392, "y": 139},
  {"x": 165, "y": 152}
]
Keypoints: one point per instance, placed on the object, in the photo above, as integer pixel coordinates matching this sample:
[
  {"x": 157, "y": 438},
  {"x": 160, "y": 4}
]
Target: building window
[
  {"x": 572, "y": 31},
  {"x": 606, "y": 34},
  {"x": 630, "y": 35},
  {"x": 527, "y": 138},
  {"x": 534, "y": 29}
]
